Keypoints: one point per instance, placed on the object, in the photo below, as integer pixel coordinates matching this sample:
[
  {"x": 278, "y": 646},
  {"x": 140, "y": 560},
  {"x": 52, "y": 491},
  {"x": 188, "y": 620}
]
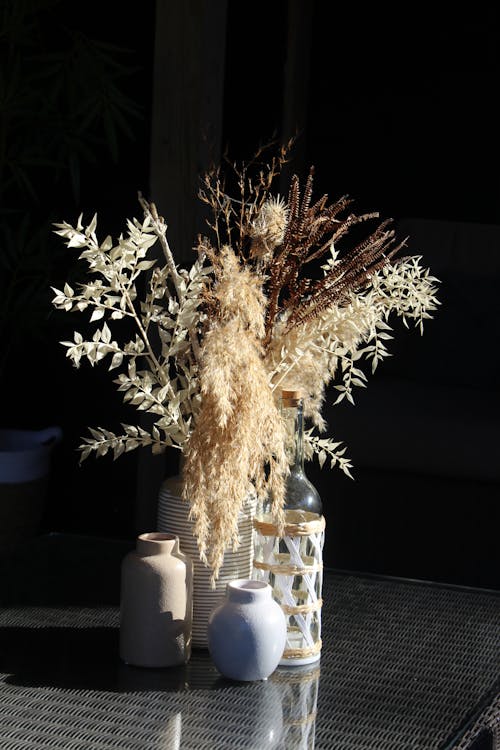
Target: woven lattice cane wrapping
[
  {"x": 403, "y": 665},
  {"x": 292, "y": 564}
]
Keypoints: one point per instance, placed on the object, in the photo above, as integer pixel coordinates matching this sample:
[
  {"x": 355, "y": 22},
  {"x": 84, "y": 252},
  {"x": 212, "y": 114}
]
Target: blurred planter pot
[{"x": 25, "y": 457}]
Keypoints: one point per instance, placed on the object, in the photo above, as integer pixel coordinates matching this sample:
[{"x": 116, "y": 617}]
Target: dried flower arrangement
[{"x": 215, "y": 343}]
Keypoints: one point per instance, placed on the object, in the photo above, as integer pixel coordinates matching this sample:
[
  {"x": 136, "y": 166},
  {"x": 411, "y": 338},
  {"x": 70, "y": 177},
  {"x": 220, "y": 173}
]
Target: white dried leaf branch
[
  {"x": 168, "y": 386},
  {"x": 326, "y": 448},
  {"x": 327, "y": 351}
]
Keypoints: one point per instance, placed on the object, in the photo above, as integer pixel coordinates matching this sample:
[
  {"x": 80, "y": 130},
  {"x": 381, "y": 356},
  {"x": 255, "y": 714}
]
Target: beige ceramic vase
[{"x": 156, "y": 603}]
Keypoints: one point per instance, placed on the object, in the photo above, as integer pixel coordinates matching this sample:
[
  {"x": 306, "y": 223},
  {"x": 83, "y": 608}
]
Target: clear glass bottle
[
  {"x": 292, "y": 563},
  {"x": 301, "y": 494}
]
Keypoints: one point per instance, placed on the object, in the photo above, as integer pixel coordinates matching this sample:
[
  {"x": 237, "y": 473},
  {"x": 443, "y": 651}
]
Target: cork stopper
[{"x": 291, "y": 397}]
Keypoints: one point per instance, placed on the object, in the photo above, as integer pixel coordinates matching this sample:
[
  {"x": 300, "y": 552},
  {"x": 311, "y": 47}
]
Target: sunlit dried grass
[{"x": 237, "y": 442}]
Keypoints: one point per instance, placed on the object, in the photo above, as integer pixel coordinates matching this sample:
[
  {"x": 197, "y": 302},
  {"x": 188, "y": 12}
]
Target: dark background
[{"x": 400, "y": 113}]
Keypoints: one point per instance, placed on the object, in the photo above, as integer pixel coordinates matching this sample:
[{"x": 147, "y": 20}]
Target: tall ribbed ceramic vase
[{"x": 172, "y": 517}]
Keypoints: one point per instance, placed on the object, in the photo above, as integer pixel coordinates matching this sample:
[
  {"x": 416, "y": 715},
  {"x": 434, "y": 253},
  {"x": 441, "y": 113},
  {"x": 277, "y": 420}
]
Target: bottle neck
[
  {"x": 293, "y": 414},
  {"x": 300, "y": 492}
]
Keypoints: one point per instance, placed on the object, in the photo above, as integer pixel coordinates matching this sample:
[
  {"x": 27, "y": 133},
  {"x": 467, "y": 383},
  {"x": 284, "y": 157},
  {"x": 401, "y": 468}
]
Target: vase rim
[
  {"x": 157, "y": 542},
  {"x": 157, "y": 536},
  {"x": 247, "y": 589},
  {"x": 248, "y": 584}
]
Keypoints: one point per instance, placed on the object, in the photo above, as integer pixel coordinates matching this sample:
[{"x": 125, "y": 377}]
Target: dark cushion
[
  {"x": 461, "y": 344},
  {"x": 422, "y": 427}
]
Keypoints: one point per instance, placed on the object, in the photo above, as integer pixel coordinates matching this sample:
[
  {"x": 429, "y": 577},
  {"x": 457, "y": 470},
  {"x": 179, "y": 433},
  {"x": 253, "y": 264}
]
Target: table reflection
[
  {"x": 298, "y": 688},
  {"x": 279, "y": 712}
]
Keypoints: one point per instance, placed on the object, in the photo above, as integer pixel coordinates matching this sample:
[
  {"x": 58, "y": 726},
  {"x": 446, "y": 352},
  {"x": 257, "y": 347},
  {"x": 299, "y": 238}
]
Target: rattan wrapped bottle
[{"x": 292, "y": 563}]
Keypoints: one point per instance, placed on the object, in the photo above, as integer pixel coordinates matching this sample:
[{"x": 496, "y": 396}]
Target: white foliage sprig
[
  {"x": 330, "y": 349},
  {"x": 163, "y": 382},
  {"x": 327, "y": 448}
]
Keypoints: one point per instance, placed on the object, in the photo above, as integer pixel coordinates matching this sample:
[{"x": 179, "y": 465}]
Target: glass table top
[{"x": 404, "y": 664}]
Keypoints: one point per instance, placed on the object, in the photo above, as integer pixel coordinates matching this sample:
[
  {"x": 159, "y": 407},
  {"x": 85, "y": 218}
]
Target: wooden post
[
  {"x": 186, "y": 131},
  {"x": 296, "y": 86}
]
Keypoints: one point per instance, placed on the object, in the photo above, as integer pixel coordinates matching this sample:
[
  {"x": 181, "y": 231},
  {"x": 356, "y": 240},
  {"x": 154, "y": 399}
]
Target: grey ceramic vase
[
  {"x": 247, "y": 631},
  {"x": 156, "y": 603}
]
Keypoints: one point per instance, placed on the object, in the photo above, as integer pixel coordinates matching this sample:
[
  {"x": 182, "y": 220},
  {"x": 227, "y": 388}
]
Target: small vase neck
[
  {"x": 245, "y": 591},
  {"x": 156, "y": 543}
]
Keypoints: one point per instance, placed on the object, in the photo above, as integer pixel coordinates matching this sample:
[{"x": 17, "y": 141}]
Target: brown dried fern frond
[
  {"x": 349, "y": 275},
  {"x": 311, "y": 231}
]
